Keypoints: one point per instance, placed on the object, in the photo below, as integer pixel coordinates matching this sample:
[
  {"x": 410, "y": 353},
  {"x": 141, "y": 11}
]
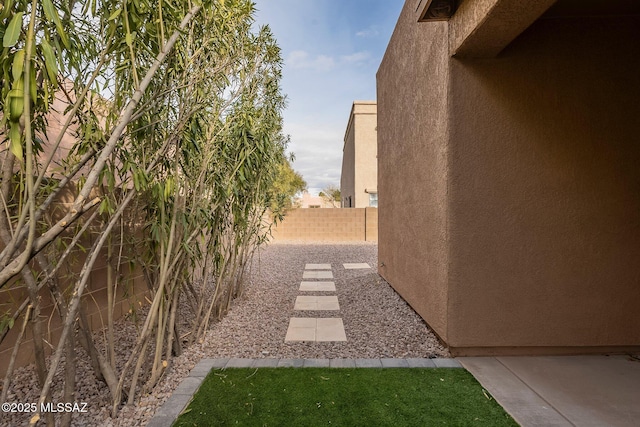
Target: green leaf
[
  {"x": 33, "y": 87},
  {"x": 115, "y": 14},
  {"x": 18, "y": 65},
  {"x": 49, "y": 60},
  {"x": 49, "y": 10},
  {"x": 6, "y": 11},
  {"x": 62, "y": 34},
  {"x": 15, "y": 140},
  {"x": 13, "y": 30},
  {"x": 52, "y": 15},
  {"x": 16, "y": 102},
  {"x": 129, "y": 38}
]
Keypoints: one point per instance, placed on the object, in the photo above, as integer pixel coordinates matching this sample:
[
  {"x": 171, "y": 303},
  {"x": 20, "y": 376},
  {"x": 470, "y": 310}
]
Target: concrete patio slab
[
  {"x": 317, "y": 267},
  {"x": 586, "y": 390},
  {"x": 563, "y": 390},
  {"x": 314, "y": 302},
  {"x": 355, "y": 266},
  {"x": 522, "y": 403},
  {"x": 317, "y": 274},
  {"x": 317, "y": 287}
]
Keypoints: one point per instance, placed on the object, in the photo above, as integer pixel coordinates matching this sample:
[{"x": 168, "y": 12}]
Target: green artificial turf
[{"x": 342, "y": 397}]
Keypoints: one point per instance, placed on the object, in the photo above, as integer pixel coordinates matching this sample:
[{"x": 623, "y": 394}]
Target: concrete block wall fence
[
  {"x": 336, "y": 225},
  {"x": 131, "y": 294}
]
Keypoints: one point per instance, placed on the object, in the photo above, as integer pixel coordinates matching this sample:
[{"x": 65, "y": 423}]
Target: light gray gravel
[{"x": 378, "y": 324}]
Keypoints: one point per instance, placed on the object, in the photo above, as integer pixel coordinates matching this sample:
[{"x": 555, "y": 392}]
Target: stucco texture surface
[
  {"x": 366, "y": 152},
  {"x": 412, "y": 167},
  {"x": 509, "y": 187},
  {"x": 545, "y": 189}
]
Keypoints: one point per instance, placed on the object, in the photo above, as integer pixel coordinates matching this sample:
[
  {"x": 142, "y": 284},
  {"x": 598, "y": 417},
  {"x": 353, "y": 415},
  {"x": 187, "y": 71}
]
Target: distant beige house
[
  {"x": 359, "y": 179},
  {"x": 307, "y": 200}
]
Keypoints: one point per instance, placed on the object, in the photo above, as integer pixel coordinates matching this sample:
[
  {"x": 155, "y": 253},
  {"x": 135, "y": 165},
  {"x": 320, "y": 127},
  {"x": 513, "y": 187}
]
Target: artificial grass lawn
[{"x": 342, "y": 397}]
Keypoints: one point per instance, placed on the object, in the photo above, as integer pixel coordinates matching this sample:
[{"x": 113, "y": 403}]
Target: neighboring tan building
[
  {"x": 509, "y": 173},
  {"x": 307, "y": 200},
  {"x": 359, "y": 179}
]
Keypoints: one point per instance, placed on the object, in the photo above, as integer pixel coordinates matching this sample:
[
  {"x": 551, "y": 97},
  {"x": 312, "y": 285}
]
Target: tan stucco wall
[
  {"x": 545, "y": 204},
  {"x": 526, "y": 237},
  {"x": 366, "y": 151},
  {"x": 359, "y": 159},
  {"x": 412, "y": 167},
  {"x": 347, "y": 177}
]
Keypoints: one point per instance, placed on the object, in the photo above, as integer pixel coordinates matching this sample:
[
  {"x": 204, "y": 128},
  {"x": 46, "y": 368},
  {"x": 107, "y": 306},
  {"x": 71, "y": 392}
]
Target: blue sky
[{"x": 331, "y": 50}]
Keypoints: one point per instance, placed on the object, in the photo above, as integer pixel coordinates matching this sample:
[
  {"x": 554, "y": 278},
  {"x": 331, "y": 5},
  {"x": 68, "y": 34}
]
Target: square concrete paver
[
  {"x": 317, "y": 274},
  {"x": 330, "y": 329},
  {"x": 314, "y": 329},
  {"x": 355, "y": 266},
  {"x": 301, "y": 329},
  {"x": 314, "y": 302},
  {"x": 317, "y": 267},
  {"x": 317, "y": 286}
]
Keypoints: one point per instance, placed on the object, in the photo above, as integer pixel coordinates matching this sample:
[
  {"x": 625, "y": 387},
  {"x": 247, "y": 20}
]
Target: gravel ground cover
[{"x": 378, "y": 324}]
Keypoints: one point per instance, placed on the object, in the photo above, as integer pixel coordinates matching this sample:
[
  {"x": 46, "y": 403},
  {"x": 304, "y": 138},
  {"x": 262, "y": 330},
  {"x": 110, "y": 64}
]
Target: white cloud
[
  {"x": 370, "y": 32},
  {"x": 318, "y": 152},
  {"x": 357, "y": 57},
  {"x": 302, "y": 59}
]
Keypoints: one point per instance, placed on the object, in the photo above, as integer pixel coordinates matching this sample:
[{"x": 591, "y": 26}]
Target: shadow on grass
[{"x": 342, "y": 397}]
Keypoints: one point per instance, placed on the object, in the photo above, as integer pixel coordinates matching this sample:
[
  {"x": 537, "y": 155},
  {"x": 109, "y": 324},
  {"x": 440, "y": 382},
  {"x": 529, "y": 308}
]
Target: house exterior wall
[
  {"x": 545, "y": 204},
  {"x": 308, "y": 201},
  {"x": 359, "y": 162},
  {"x": 347, "y": 177},
  {"x": 413, "y": 250},
  {"x": 528, "y": 239}
]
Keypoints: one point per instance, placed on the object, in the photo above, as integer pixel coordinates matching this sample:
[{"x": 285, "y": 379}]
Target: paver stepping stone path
[
  {"x": 317, "y": 274},
  {"x": 317, "y": 267},
  {"x": 313, "y": 302},
  {"x": 316, "y": 329},
  {"x": 355, "y": 266},
  {"x": 312, "y": 328},
  {"x": 317, "y": 287}
]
